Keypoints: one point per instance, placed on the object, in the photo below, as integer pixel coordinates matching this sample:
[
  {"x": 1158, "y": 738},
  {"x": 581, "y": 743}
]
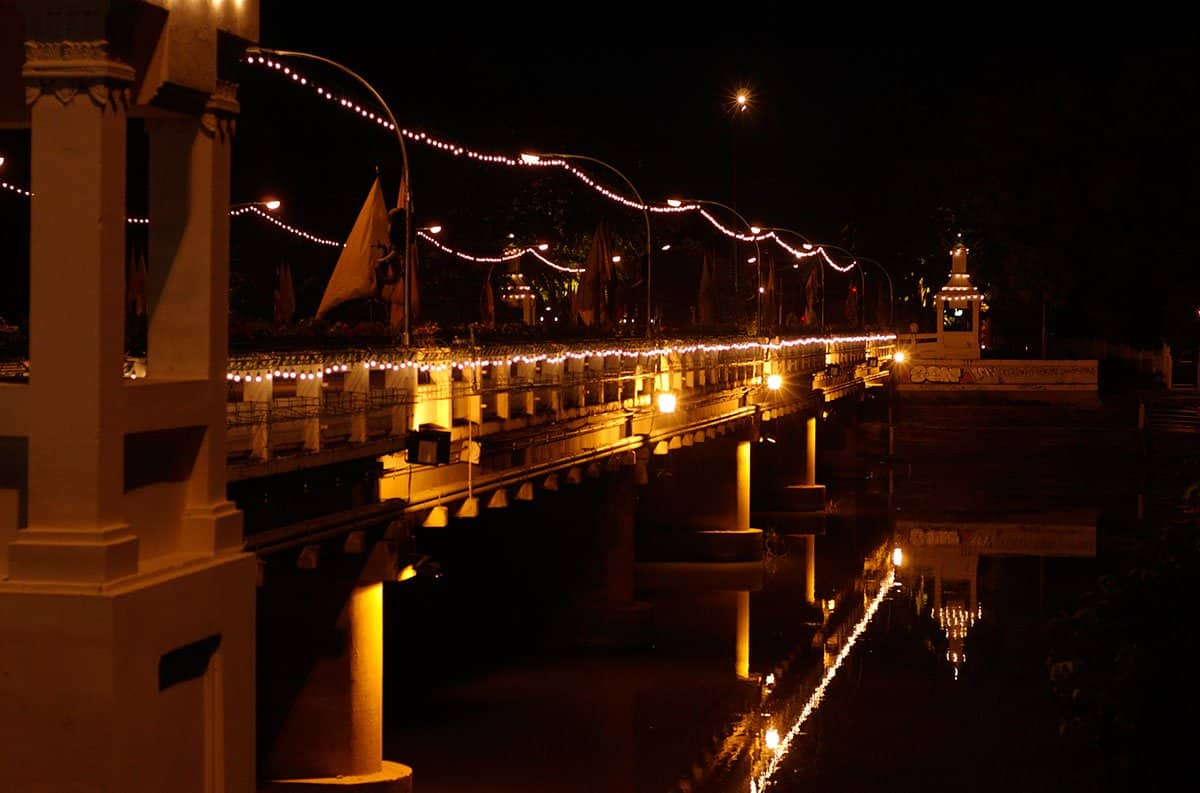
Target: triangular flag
[{"x": 354, "y": 275}]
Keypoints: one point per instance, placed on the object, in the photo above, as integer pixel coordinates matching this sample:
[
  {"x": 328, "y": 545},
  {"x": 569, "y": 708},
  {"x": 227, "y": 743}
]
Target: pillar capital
[
  {"x": 221, "y": 111},
  {"x": 68, "y": 69}
]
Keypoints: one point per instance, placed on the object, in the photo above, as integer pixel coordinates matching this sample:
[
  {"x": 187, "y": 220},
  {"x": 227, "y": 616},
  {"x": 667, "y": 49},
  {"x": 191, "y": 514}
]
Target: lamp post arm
[
  {"x": 408, "y": 202},
  {"x": 645, "y": 216}
]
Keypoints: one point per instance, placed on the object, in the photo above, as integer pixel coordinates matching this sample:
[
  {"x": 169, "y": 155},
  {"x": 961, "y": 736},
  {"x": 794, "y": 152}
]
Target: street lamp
[
  {"x": 406, "y": 181},
  {"x": 271, "y": 204},
  {"x": 532, "y": 159},
  {"x": 755, "y": 231}
]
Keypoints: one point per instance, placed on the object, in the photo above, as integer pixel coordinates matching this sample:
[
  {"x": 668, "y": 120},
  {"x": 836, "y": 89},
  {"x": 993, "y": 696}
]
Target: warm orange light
[
  {"x": 898, "y": 557},
  {"x": 616, "y": 259},
  {"x": 408, "y": 572},
  {"x": 543, "y": 247},
  {"x": 674, "y": 202},
  {"x": 435, "y": 229},
  {"x": 667, "y": 247},
  {"x": 755, "y": 230},
  {"x": 772, "y": 739},
  {"x": 666, "y": 402},
  {"x": 272, "y": 204},
  {"x": 900, "y": 356},
  {"x": 774, "y": 382}
]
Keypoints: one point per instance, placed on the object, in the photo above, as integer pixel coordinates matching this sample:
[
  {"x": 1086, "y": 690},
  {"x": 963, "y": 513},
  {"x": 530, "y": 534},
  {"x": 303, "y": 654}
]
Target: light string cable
[{"x": 534, "y": 161}]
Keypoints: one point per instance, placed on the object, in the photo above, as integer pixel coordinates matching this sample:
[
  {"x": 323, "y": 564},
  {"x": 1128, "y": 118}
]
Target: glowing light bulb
[
  {"x": 900, "y": 356},
  {"x": 530, "y": 159},
  {"x": 772, "y": 739},
  {"x": 755, "y": 230},
  {"x": 435, "y": 229},
  {"x": 616, "y": 260},
  {"x": 272, "y": 204},
  {"x": 674, "y": 202},
  {"x": 543, "y": 247},
  {"x": 666, "y": 402},
  {"x": 898, "y": 557},
  {"x": 774, "y": 382}
]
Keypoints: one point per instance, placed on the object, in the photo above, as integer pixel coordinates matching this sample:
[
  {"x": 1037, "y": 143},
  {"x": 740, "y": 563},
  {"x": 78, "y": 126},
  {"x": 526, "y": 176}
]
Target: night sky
[{"x": 1070, "y": 172}]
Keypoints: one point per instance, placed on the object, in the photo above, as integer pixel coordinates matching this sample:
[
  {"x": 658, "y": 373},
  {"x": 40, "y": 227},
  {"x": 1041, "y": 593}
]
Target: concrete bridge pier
[{"x": 320, "y": 658}]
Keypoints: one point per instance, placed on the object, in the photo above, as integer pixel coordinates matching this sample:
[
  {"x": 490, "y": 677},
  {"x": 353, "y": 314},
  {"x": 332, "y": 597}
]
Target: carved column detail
[{"x": 66, "y": 69}]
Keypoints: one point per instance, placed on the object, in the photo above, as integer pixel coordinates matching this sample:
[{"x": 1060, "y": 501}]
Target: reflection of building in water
[{"x": 941, "y": 565}]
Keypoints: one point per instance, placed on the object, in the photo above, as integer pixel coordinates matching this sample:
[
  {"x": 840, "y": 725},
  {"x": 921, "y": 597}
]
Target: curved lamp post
[
  {"x": 754, "y": 232},
  {"x": 891, "y": 286},
  {"x": 533, "y": 158},
  {"x": 407, "y": 180}
]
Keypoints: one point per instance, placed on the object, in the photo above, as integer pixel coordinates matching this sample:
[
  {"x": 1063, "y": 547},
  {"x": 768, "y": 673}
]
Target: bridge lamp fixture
[
  {"x": 674, "y": 202},
  {"x": 666, "y": 402},
  {"x": 272, "y": 204},
  {"x": 900, "y": 356},
  {"x": 433, "y": 229},
  {"x": 898, "y": 557},
  {"x": 774, "y": 382},
  {"x": 755, "y": 230}
]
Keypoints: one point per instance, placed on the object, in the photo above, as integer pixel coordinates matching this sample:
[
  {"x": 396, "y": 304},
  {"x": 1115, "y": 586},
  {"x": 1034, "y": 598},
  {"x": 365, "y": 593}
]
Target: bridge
[{"x": 167, "y": 619}]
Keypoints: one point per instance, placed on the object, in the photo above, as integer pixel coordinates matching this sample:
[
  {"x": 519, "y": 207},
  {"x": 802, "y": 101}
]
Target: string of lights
[
  {"x": 290, "y": 229},
  {"x": 318, "y": 367},
  {"x": 534, "y": 161},
  {"x": 508, "y": 257},
  {"x": 782, "y": 745},
  {"x": 14, "y": 189}
]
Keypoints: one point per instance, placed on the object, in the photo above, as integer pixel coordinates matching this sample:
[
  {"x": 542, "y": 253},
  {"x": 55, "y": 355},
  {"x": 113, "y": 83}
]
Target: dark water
[{"x": 934, "y": 673}]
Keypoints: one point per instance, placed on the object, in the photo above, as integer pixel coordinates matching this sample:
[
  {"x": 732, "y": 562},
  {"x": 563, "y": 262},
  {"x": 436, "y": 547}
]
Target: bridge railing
[{"x": 373, "y": 399}]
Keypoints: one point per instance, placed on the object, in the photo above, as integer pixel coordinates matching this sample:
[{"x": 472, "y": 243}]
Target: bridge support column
[
  {"x": 810, "y": 451},
  {"x": 321, "y": 685},
  {"x": 742, "y": 521}
]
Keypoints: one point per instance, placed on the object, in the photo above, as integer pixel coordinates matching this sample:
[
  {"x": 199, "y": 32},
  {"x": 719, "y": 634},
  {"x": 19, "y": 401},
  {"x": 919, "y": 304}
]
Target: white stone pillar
[
  {"x": 404, "y": 382},
  {"x": 310, "y": 389},
  {"x": 259, "y": 391},
  {"x": 77, "y": 318},
  {"x": 357, "y": 387},
  {"x": 525, "y": 374},
  {"x": 500, "y": 397}
]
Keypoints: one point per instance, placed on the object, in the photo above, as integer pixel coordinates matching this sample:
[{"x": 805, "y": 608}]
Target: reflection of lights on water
[
  {"x": 770, "y": 681},
  {"x": 814, "y": 700},
  {"x": 831, "y": 604},
  {"x": 898, "y": 557},
  {"x": 772, "y": 739}
]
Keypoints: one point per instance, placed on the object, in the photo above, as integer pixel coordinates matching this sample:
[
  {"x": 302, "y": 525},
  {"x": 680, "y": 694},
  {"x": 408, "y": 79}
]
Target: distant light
[
  {"x": 674, "y": 202},
  {"x": 770, "y": 679},
  {"x": 530, "y": 159},
  {"x": 408, "y": 572},
  {"x": 772, "y": 739},
  {"x": 1, "y": 160},
  {"x": 667, "y": 247},
  {"x": 762, "y": 289},
  {"x": 831, "y": 604},
  {"x": 752, "y": 260},
  {"x": 511, "y": 235},
  {"x": 898, "y": 557},
  {"x": 824, "y": 414},
  {"x": 795, "y": 267},
  {"x": 616, "y": 259},
  {"x": 666, "y": 402},
  {"x": 774, "y": 382},
  {"x": 807, "y": 246},
  {"x": 900, "y": 356},
  {"x": 271, "y": 204},
  {"x": 755, "y": 230},
  {"x": 435, "y": 229},
  {"x": 543, "y": 247}
]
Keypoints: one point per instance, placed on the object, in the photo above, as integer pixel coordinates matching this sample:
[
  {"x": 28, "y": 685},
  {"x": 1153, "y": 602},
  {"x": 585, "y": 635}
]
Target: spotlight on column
[
  {"x": 774, "y": 382},
  {"x": 666, "y": 402},
  {"x": 898, "y": 557},
  {"x": 899, "y": 356}
]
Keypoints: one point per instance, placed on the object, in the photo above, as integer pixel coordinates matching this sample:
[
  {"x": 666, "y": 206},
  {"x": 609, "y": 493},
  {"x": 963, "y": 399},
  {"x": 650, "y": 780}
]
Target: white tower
[{"x": 958, "y": 310}]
